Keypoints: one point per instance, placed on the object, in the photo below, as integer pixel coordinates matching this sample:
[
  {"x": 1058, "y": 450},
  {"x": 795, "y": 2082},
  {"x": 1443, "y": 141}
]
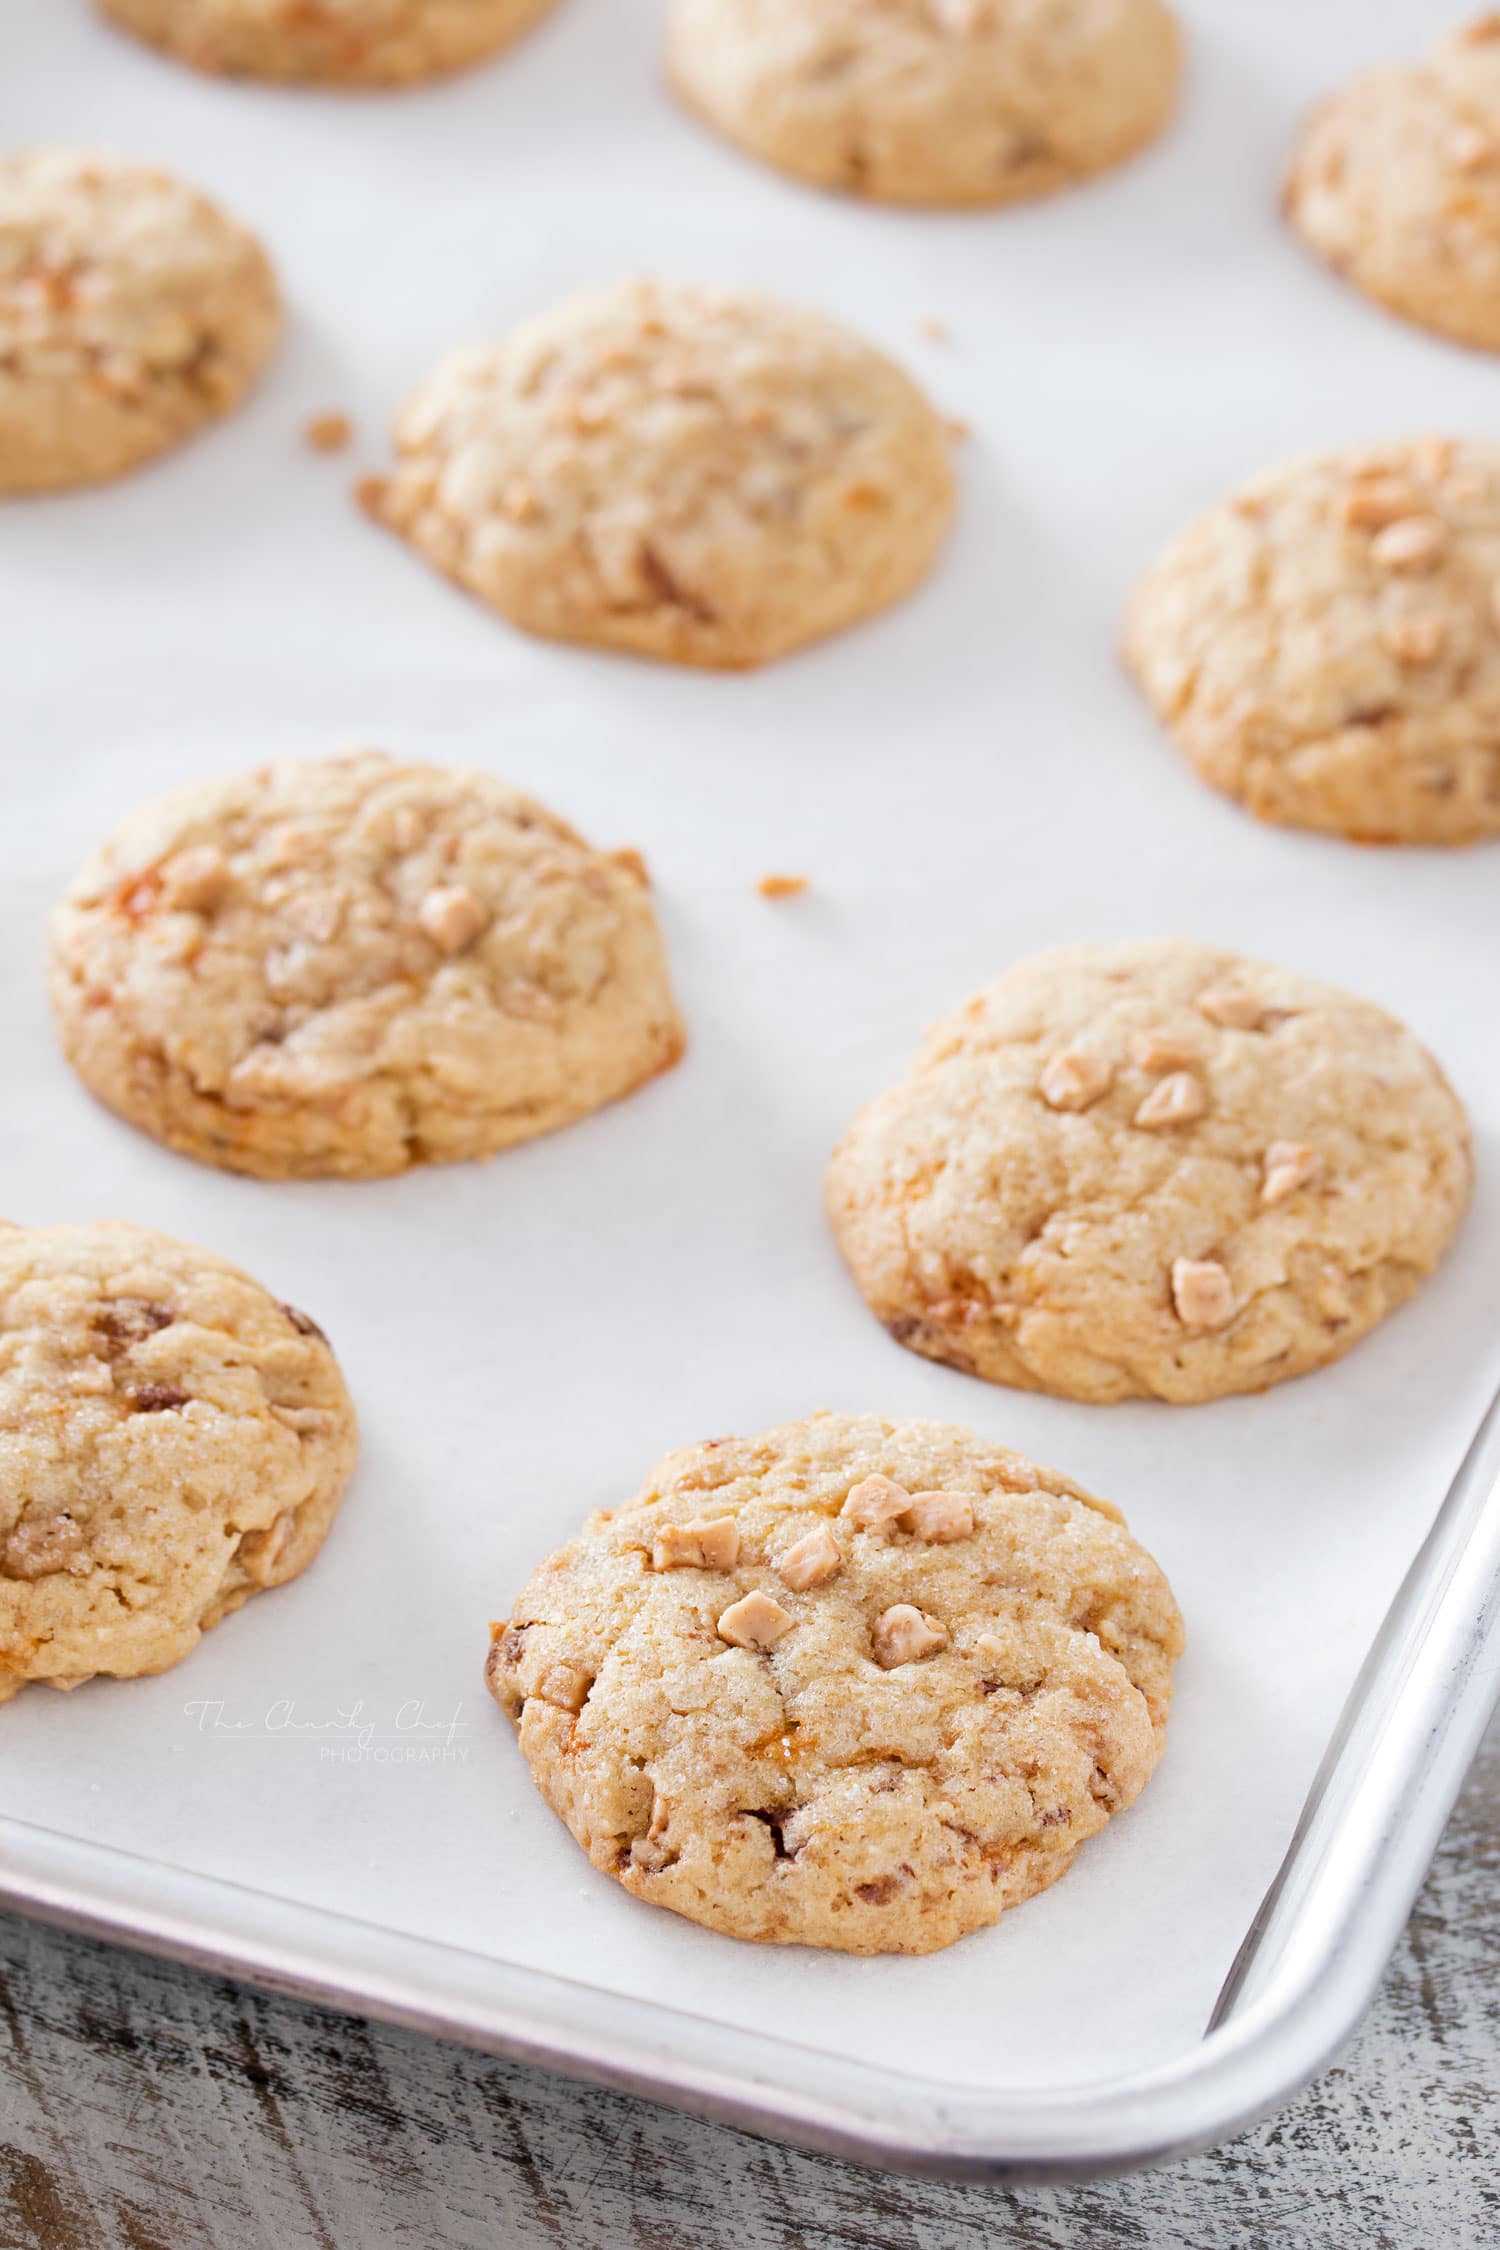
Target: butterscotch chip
[
  {"x": 904, "y": 1634},
  {"x": 351, "y": 967},
  {"x": 1150, "y": 1051},
  {"x": 1177, "y": 1100},
  {"x": 1333, "y": 674},
  {"x": 133, "y": 312},
  {"x": 1233, "y": 1007},
  {"x": 756, "y": 1620},
  {"x": 1374, "y": 501},
  {"x": 930, "y": 101},
  {"x": 851, "y": 1782},
  {"x": 810, "y": 1560},
  {"x": 329, "y": 42},
  {"x": 1034, "y": 1248},
  {"x": 172, "y": 1441},
  {"x": 1289, "y": 1166},
  {"x": 1075, "y": 1079},
  {"x": 1202, "y": 1293},
  {"x": 875, "y": 1502},
  {"x": 940, "y": 1516},
  {"x": 451, "y": 916},
  {"x": 711, "y": 477},
  {"x": 702, "y": 1545},
  {"x": 1415, "y": 640},
  {"x": 1415, "y": 543},
  {"x": 1396, "y": 185}
]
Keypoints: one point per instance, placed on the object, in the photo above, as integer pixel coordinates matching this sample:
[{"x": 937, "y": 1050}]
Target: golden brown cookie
[
  {"x": 172, "y": 1441},
  {"x": 1396, "y": 183},
  {"x": 930, "y": 101},
  {"x": 329, "y": 42},
  {"x": 132, "y": 313},
  {"x": 1326, "y": 645},
  {"x": 351, "y": 966},
  {"x": 696, "y": 474},
  {"x": 852, "y": 1683},
  {"x": 1151, "y": 1171}
]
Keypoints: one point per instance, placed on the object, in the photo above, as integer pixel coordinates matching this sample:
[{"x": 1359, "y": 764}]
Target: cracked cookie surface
[
  {"x": 1151, "y": 1171},
  {"x": 1396, "y": 184},
  {"x": 1326, "y": 645},
  {"x": 699, "y": 475},
  {"x": 172, "y": 1441},
  {"x": 956, "y": 102},
  {"x": 355, "y": 965},
  {"x": 329, "y": 42},
  {"x": 132, "y": 312},
  {"x": 852, "y": 1683}
]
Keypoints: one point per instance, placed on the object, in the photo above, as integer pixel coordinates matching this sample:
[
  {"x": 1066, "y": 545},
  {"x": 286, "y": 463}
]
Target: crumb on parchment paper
[
  {"x": 782, "y": 886},
  {"x": 328, "y": 433}
]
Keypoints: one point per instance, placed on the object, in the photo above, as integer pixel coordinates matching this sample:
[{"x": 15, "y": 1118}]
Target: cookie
[
  {"x": 172, "y": 1441},
  {"x": 354, "y": 966},
  {"x": 1151, "y": 1171},
  {"x": 930, "y": 101},
  {"x": 694, "y": 474},
  {"x": 852, "y": 1683},
  {"x": 329, "y": 42},
  {"x": 1326, "y": 646},
  {"x": 1396, "y": 183},
  {"x": 132, "y": 312}
]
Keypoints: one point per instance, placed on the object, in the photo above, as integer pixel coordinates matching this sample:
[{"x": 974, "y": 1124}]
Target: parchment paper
[{"x": 965, "y": 781}]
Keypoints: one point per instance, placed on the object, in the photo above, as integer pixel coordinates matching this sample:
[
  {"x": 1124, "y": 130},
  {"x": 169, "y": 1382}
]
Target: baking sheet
[{"x": 964, "y": 781}]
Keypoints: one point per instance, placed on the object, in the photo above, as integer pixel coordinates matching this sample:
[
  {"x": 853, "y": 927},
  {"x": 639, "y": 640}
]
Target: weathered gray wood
[{"x": 146, "y": 2108}]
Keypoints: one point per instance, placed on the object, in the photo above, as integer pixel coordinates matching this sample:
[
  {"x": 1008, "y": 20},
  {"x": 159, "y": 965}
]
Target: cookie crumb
[
  {"x": 328, "y": 433},
  {"x": 933, "y": 329},
  {"x": 782, "y": 886}
]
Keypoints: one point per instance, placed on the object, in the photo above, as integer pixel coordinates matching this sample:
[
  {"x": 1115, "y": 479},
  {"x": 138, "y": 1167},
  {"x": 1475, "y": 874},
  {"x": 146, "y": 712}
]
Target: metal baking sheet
[{"x": 323, "y": 1797}]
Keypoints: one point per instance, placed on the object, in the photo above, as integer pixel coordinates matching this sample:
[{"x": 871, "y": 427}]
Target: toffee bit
[{"x": 328, "y": 433}]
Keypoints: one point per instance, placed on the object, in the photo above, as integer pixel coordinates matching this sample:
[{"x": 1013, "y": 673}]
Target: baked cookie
[
  {"x": 853, "y": 1683},
  {"x": 1326, "y": 647},
  {"x": 132, "y": 312},
  {"x": 1151, "y": 1171},
  {"x": 172, "y": 1441},
  {"x": 695, "y": 474},
  {"x": 329, "y": 42},
  {"x": 354, "y": 966},
  {"x": 1397, "y": 184},
  {"x": 930, "y": 101}
]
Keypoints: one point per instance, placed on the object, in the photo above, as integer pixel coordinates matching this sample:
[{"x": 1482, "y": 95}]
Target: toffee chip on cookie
[{"x": 848, "y": 1728}]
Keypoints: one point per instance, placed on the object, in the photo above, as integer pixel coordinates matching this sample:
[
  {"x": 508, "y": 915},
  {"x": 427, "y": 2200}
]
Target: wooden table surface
[{"x": 144, "y": 2107}]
